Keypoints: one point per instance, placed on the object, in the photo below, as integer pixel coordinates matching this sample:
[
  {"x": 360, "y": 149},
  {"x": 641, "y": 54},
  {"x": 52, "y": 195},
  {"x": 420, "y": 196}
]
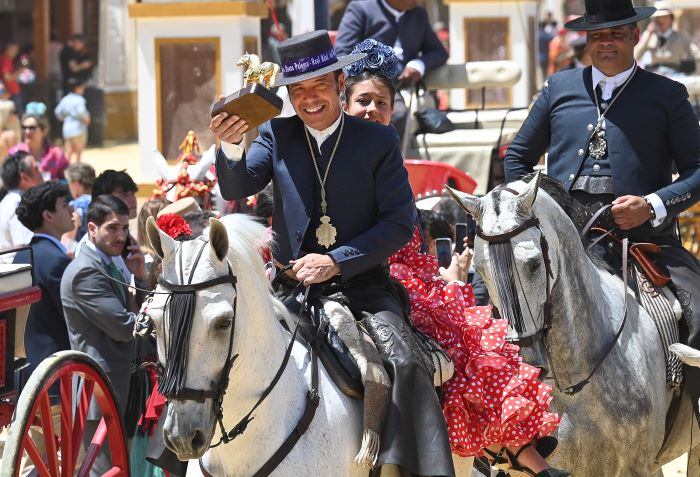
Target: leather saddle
[
  {"x": 640, "y": 253},
  {"x": 316, "y": 330}
]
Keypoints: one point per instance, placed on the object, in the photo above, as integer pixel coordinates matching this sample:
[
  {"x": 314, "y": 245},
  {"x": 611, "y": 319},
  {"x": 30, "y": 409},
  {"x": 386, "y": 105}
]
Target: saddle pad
[{"x": 659, "y": 308}]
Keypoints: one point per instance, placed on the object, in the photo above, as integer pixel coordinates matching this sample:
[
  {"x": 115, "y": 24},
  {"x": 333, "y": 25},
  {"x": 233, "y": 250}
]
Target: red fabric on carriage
[{"x": 493, "y": 398}]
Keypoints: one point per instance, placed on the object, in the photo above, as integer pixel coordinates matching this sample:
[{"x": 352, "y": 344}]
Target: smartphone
[
  {"x": 125, "y": 250},
  {"x": 460, "y": 234},
  {"x": 471, "y": 231},
  {"x": 443, "y": 251}
]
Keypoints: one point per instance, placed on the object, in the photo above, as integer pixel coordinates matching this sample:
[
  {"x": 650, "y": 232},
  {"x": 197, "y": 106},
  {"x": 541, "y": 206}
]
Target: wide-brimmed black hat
[
  {"x": 309, "y": 55},
  {"x": 601, "y": 14}
]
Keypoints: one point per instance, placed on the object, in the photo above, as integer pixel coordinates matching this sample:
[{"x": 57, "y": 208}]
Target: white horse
[
  {"x": 614, "y": 427},
  {"x": 251, "y": 314}
]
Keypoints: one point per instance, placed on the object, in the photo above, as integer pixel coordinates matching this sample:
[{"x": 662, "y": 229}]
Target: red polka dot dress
[{"x": 494, "y": 398}]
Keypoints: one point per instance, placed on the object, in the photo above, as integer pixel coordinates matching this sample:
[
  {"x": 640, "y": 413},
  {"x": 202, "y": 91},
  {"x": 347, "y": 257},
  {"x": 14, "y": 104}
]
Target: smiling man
[
  {"x": 614, "y": 134},
  {"x": 342, "y": 206}
]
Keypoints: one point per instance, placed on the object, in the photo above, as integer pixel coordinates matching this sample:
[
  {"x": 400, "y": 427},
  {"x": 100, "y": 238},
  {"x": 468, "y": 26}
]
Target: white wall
[
  {"x": 230, "y": 30},
  {"x": 117, "y": 55},
  {"x": 517, "y": 12}
]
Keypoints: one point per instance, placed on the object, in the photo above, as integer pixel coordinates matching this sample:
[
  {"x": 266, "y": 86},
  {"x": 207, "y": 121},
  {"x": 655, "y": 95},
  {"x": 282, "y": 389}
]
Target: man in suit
[
  {"x": 44, "y": 209},
  {"x": 662, "y": 48},
  {"x": 402, "y": 25},
  {"x": 626, "y": 157},
  {"x": 342, "y": 206},
  {"x": 100, "y": 311}
]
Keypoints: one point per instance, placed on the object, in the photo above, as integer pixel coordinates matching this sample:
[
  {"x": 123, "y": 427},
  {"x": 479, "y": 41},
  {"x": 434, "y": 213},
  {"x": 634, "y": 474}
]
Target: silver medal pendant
[
  {"x": 325, "y": 233},
  {"x": 598, "y": 145}
]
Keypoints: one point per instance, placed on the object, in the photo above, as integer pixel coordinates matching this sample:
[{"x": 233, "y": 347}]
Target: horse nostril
[{"x": 198, "y": 439}]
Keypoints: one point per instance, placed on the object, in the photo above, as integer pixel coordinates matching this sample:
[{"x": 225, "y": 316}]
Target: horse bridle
[
  {"x": 534, "y": 222},
  {"x": 218, "y": 390}
]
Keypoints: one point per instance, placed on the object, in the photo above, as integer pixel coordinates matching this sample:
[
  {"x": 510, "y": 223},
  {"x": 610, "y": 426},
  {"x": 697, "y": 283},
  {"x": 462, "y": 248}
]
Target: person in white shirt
[
  {"x": 19, "y": 172},
  {"x": 663, "y": 49}
]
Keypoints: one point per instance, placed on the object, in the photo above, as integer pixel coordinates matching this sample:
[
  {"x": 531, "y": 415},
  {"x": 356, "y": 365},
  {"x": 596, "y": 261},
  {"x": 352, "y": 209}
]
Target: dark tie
[
  {"x": 117, "y": 275},
  {"x": 662, "y": 41}
]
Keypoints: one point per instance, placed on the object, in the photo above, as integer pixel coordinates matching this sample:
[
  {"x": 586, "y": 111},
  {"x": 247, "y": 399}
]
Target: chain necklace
[
  {"x": 325, "y": 233},
  {"x": 598, "y": 145}
]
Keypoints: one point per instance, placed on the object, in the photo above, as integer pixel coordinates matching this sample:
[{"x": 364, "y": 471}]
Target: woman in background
[{"x": 35, "y": 140}]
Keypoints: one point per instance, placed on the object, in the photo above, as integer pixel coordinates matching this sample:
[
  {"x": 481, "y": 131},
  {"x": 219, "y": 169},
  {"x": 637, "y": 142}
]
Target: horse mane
[
  {"x": 246, "y": 238},
  {"x": 575, "y": 210}
]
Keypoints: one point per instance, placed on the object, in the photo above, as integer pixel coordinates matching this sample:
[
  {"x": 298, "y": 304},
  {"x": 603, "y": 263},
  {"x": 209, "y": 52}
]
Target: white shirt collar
[
  {"x": 608, "y": 83},
  {"x": 53, "y": 239},
  {"x": 321, "y": 136},
  {"x": 396, "y": 13}
]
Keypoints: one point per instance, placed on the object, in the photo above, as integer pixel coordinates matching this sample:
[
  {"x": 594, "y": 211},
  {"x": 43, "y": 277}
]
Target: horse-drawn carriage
[{"x": 46, "y": 414}]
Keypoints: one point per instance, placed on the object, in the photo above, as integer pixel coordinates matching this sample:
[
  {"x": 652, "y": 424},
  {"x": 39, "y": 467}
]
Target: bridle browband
[{"x": 534, "y": 222}]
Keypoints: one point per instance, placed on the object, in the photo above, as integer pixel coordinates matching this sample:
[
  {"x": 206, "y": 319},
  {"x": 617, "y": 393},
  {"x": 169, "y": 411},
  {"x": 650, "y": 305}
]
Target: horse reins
[{"x": 534, "y": 222}]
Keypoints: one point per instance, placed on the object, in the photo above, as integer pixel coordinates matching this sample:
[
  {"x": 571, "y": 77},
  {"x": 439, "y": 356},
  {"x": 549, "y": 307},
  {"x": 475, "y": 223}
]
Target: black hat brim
[
  {"x": 342, "y": 62},
  {"x": 580, "y": 23}
]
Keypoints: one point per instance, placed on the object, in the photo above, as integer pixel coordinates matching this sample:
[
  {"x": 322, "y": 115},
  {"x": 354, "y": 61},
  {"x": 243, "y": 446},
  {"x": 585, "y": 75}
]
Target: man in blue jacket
[
  {"x": 614, "y": 133},
  {"x": 44, "y": 209},
  {"x": 402, "y": 25},
  {"x": 342, "y": 206}
]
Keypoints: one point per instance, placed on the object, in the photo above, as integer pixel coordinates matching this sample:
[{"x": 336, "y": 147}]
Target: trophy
[{"x": 255, "y": 102}]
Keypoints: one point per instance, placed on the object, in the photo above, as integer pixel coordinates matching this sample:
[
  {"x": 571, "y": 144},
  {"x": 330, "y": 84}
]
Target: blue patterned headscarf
[{"x": 380, "y": 60}]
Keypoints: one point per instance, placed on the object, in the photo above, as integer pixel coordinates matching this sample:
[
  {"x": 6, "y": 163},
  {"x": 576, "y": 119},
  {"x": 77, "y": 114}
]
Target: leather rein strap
[
  {"x": 534, "y": 222},
  {"x": 312, "y": 402}
]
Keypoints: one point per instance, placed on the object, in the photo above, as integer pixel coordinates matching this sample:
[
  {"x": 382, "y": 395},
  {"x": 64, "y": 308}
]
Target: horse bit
[{"x": 534, "y": 222}]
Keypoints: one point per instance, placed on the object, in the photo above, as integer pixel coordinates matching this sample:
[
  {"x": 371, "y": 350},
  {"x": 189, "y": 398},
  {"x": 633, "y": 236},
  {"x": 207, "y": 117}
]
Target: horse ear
[
  {"x": 218, "y": 238},
  {"x": 468, "y": 202},
  {"x": 161, "y": 243},
  {"x": 527, "y": 198}
]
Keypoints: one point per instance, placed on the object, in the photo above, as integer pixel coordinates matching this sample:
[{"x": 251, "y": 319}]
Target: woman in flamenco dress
[{"x": 493, "y": 405}]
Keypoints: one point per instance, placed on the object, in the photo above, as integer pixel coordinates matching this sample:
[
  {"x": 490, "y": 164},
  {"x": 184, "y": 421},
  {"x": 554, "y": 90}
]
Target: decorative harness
[
  {"x": 173, "y": 376},
  {"x": 505, "y": 237}
]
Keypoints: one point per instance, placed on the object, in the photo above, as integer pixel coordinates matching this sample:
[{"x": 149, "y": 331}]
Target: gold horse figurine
[{"x": 256, "y": 72}]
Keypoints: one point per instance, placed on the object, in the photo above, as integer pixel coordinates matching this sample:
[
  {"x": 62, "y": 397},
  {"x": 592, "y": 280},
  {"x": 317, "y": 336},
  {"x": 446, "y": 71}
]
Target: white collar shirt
[
  {"x": 12, "y": 232},
  {"x": 608, "y": 84},
  {"x": 321, "y": 136}
]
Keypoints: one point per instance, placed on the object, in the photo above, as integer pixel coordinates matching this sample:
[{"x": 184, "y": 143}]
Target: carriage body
[{"x": 32, "y": 410}]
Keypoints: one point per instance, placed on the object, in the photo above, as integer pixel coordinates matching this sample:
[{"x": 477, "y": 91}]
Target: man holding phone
[{"x": 100, "y": 311}]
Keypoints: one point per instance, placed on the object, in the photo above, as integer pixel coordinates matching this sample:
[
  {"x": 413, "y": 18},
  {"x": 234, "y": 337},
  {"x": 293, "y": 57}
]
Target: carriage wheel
[{"x": 66, "y": 369}]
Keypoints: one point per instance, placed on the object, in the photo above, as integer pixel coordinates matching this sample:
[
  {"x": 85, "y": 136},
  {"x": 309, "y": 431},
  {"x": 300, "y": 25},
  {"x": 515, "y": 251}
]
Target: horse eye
[
  {"x": 223, "y": 323},
  {"x": 533, "y": 265}
]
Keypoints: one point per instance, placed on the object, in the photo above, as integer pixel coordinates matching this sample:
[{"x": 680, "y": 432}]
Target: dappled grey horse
[{"x": 566, "y": 312}]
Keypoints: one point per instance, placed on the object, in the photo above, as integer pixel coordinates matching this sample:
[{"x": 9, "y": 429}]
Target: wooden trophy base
[{"x": 254, "y": 103}]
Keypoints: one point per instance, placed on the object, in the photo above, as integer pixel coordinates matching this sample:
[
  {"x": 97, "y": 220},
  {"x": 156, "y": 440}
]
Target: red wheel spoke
[
  {"x": 67, "y": 463},
  {"x": 83, "y": 386},
  {"x": 80, "y": 415},
  {"x": 95, "y": 445},
  {"x": 35, "y": 456},
  {"x": 49, "y": 434},
  {"x": 114, "y": 472}
]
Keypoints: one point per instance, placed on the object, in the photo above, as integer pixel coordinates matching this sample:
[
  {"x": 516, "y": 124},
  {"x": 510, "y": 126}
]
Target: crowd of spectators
[{"x": 25, "y": 118}]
